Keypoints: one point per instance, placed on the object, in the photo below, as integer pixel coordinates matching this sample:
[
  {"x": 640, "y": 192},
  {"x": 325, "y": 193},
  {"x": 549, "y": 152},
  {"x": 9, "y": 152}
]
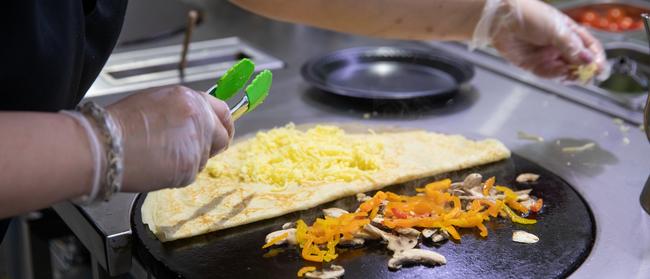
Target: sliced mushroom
[
  {"x": 524, "y": 237},
  {"x": 440, "y": 236},
  {"x": 291, "y": 237},
  {"x": 331, "y": 272},
  {"x": 472, "y": 180},
  {"x": 334, "y": 212},
  {"x": 522, "y": 195},
  {"x": 527, "y": 177},
  {"x": 436, "y": 235},
  {"x": 416, "y": 256},
  {"x": 426, "y": 233},
  {"x": 361, "y": 197},
  {"x": 476, "y": 191},
  {"x": 457, "y": 191},
  {"x": 288, "y": 225},
  {"x": 352, "y": 242},
  {"x": 408, "y": 232},
  {"x": 366, "y": 235},
  {"x": 396, "y": 243}
]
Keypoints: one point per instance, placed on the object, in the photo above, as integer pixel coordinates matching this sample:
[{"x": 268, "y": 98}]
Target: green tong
[{"x": 235, "y": 79}]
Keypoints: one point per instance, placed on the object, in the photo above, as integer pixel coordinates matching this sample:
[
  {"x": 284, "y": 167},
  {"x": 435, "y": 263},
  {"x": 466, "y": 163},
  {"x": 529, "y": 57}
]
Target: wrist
[
  {"x": 110, "y": 135},
  {"x": 104, "y": 140},
  {"x": 93, "y": 156},
  {"x": 496, "y": 16}
]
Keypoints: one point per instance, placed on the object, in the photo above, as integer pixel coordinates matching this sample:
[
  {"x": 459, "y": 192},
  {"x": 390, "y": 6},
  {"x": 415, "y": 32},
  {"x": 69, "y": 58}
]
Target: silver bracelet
[
  {"x": 95, "y": 149},
  {"x": 112, "y": 138}
]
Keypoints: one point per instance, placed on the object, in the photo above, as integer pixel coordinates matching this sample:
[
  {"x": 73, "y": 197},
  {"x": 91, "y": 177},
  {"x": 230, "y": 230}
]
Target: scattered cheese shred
[
  {"x": 305, "y": 269},
  {"x": 276, "y": 240},
  {"x": 578, "y": 149},
  {"x": 287, "y": 156},
  {"x": 584, "y": 73}
]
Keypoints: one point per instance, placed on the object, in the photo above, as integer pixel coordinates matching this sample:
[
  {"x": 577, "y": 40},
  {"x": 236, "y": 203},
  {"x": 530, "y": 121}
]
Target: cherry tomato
[
  {"x": 625, "y": 23},
  {"x": 602, "y": 23},
  {"x": 637, "y": 25},
  {"x": 613, "y": 27},
  {"x": 588, "y": 17},
  {"x": 614, "y": 14}
]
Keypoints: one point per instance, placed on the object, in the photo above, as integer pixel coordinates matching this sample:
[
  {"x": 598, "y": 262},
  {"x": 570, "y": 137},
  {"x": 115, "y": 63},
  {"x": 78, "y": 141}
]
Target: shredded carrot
[
  {"x": 305, "y": 269},
  {"x": 276, "y": 240}
]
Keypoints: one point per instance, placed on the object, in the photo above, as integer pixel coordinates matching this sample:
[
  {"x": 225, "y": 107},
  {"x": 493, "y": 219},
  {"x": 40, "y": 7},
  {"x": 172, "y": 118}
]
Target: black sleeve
[
  {"x": 52, "y": 51},
  {"x": 4, "y": 224}
]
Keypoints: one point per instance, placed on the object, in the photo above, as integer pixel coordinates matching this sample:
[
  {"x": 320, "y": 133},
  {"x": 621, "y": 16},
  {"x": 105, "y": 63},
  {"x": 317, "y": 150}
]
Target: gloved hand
[
  {"x": 169, "y": 134},
  {"x": 537, "y": 37}
]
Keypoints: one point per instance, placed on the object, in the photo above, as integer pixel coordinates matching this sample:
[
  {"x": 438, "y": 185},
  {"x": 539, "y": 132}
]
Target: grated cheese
[
  {"x": 584, "y": 73},
  {"x": 287, "y": 156}
]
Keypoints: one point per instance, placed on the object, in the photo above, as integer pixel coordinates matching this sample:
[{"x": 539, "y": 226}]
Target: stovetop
[{"x": 609, "y": 177}]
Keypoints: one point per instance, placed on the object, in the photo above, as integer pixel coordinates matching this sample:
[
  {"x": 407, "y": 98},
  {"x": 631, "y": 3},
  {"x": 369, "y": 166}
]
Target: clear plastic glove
[
  {"x": 169, "y": 134},
  {"x": 539, "y": 38}
]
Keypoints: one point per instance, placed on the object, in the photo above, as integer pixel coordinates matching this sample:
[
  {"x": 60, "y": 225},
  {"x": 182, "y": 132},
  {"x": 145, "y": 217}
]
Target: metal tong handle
[{"x": 237, "y": 110}]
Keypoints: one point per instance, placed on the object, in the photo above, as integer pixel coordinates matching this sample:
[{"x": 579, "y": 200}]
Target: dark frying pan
[
  {"x": 388, "y": 73},
  {"x": 566, "y": 229}
]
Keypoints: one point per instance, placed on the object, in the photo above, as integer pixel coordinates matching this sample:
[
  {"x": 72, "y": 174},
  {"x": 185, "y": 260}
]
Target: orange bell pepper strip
[
  {"x": 511, "y": 199},
  {"x": 439, "y": 185},
  {"x": 517, "y": 206},
  {"x": 494, "y": 208},
  {"x": 370, "y": 204},
  {"x": 487, "y": 186},
  {"x": 373, "y": 213},
  {"x": 390, "y": 196},
  {"x": 507, "y": 191},
  {"x": 483, "y": 230}
]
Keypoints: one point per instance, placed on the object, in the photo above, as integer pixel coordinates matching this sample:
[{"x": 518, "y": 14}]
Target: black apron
[{"x": 52, "y": 51}]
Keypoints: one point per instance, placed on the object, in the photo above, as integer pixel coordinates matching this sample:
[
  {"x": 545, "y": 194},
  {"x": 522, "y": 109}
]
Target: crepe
[{"x": 237, "y": 187}]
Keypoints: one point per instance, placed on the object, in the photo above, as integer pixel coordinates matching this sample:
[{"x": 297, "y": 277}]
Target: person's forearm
[
  {"x": 44, "y": 158},
  {"x": 398, "y": 19}
]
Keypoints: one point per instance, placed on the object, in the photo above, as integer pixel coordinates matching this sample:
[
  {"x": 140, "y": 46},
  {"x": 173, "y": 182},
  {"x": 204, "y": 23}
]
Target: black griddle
[
  {"x": 565, "y": 227},
  {"x": 388, "y": 73}
]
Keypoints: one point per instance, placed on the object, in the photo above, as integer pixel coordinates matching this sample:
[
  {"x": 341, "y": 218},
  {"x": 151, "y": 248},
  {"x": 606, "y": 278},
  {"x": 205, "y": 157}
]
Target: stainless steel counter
[{"x": 610, "y": 177}]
